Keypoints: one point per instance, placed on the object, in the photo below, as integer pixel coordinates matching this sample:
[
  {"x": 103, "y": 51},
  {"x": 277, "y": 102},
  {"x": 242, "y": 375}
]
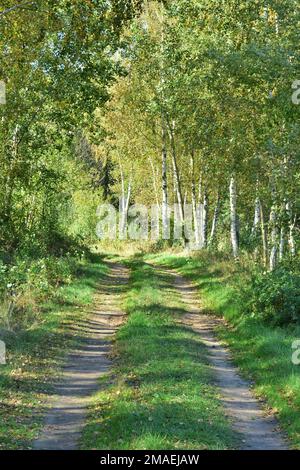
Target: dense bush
[
  {"x": 274, "y": 296},
  {"x": 26, "y": 283}
]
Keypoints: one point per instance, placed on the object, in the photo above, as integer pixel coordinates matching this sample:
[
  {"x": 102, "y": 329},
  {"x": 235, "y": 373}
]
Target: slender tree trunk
[
  {"x": 256, "y": 221},
  {"x": 165, "y": 216},
  {"x": 255, "y": 227},
  {"x": 155, "y": 186},
  {"x": 283, "y": 229},
  {"x": 233, "y": 218},
  {"x": 128, "y": 197},
  {"x": 177, "y": 182},
  {"x": 292, "y": 244},
  {"x": 281, "y": 243},
  {"x": 30, "y": 215},
  {"x": 174, "y": 189},
  {"x": 185, "y": 200},
  {"x": 124, "y": 205},
  {"x": 264, "y": 236},
  {"x": 200, "y": 188},
  {"x": 292, "y": 223},
  {"x": 177, "y": 191},
  {"x": 274, "y": 238},
  {"x": 200, "y": 211},
  {"x": 124, "y": 213},
  {"x": 215, "y": 221},
  {"x": 203, "y": 213},
  {"x": 204, "y": 219},
  {"x": 194, "y": 203}
]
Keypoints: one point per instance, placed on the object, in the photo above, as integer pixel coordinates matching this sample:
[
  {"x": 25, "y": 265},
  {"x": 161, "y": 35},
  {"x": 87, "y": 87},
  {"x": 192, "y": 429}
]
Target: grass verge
[
  {"x": 160, "y": 394},
  {"x": 263, "y": 353},
  {"x": 35, "y": 355}
]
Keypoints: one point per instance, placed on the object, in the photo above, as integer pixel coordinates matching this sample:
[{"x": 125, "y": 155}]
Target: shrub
[
  {"x": 26, "y": 283},
  {"x": 274, "y": 296}
]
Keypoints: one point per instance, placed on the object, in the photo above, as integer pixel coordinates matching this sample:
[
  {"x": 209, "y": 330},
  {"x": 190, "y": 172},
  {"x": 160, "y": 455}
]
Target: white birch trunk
[
  {"x": 233, "y": 218},
  {"x": 215, "y": 222},
  {"x": 204, "y": 219},
  {"x": 256, "y": 221},
  {"x": 155, "y": 185},
  {"x": 165, "y": 216},
  {"x": 185, "y": 199},
  {"x": 124, "y": 206},
  {"x": 264, "y": 236},
  {"x": 194, "y": 204},
  {"x": 292, "y": 244},
  {"x": 177, "y": 182},
  {"x": 281, "y": 243},
  {"x": 178, "y": 192},
  {"x": 292, "y": 223},
  {"x": 274, "y": 238},
  {"x": 256, "y": 225}
]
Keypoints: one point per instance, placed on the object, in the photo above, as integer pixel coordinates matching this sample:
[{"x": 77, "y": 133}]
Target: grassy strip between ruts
[
  {"x": 263, "y": 353},
  {"x": 35, "y": 355},
  {"x": 160, "y": 394}
]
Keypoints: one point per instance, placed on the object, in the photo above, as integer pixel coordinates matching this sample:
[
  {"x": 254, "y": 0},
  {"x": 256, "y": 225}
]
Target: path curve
[
  {"x": 84, "y": 366},
  {"x": 258, "y": 431}
]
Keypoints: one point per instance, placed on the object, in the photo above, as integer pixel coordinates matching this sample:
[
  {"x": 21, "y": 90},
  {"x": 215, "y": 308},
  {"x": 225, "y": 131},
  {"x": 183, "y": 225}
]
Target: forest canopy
[{"x": 192, "y": 103}]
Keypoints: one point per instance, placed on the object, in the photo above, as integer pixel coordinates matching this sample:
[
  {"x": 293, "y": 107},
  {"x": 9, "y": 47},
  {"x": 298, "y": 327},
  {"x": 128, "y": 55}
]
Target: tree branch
[{"x": 15, "y": 7}]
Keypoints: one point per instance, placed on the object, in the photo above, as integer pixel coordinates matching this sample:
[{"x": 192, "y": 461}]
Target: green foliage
[
  {"x": 217, "y": 76},
  {"x": 56, "y": 74},
  {"x": 26, "y": 284},
  {"x": 274, "y": 296}
]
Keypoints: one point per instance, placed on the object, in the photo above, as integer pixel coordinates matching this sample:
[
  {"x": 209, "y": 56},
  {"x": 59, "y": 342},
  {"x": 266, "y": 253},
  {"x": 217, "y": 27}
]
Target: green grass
[
  {"x": 35, "y": 355},
  {"x": 159, "y": 394},
  {"x": 263, "y": 353}
]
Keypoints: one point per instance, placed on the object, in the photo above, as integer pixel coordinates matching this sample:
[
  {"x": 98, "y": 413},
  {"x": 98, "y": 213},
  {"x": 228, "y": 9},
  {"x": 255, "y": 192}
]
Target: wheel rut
[
  {"x": 258, "y": 431},
  {"x": 67, "y": 407}
]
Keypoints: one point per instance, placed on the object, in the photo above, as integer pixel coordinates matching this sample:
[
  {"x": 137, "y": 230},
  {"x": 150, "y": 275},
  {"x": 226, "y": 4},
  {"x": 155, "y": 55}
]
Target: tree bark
[
  {"x": 177, "y": 182},
  {"x": 204, "y": 219},
  {"x": 281, "y": 243},
  {"x": 194, "y": 203},
  {"x": 215, "y": 221},
  {"x": 233, "y": 218},
  {"x": 124, "y": 206},
  {"x": 292, "y": 223},
  {"x": 274, "y": 238},
  {"x": 124, "y": 213},
  {"x": 165, "y": 216},
  {"x": 154, "y": 183},
  {"x": 264, "y": 236},
  {"x": 292, "y": 244},
  {"x": 256, "y": 221},
  {"x": 203, "y": 213},
  {"x": 255, "y": 227}
]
